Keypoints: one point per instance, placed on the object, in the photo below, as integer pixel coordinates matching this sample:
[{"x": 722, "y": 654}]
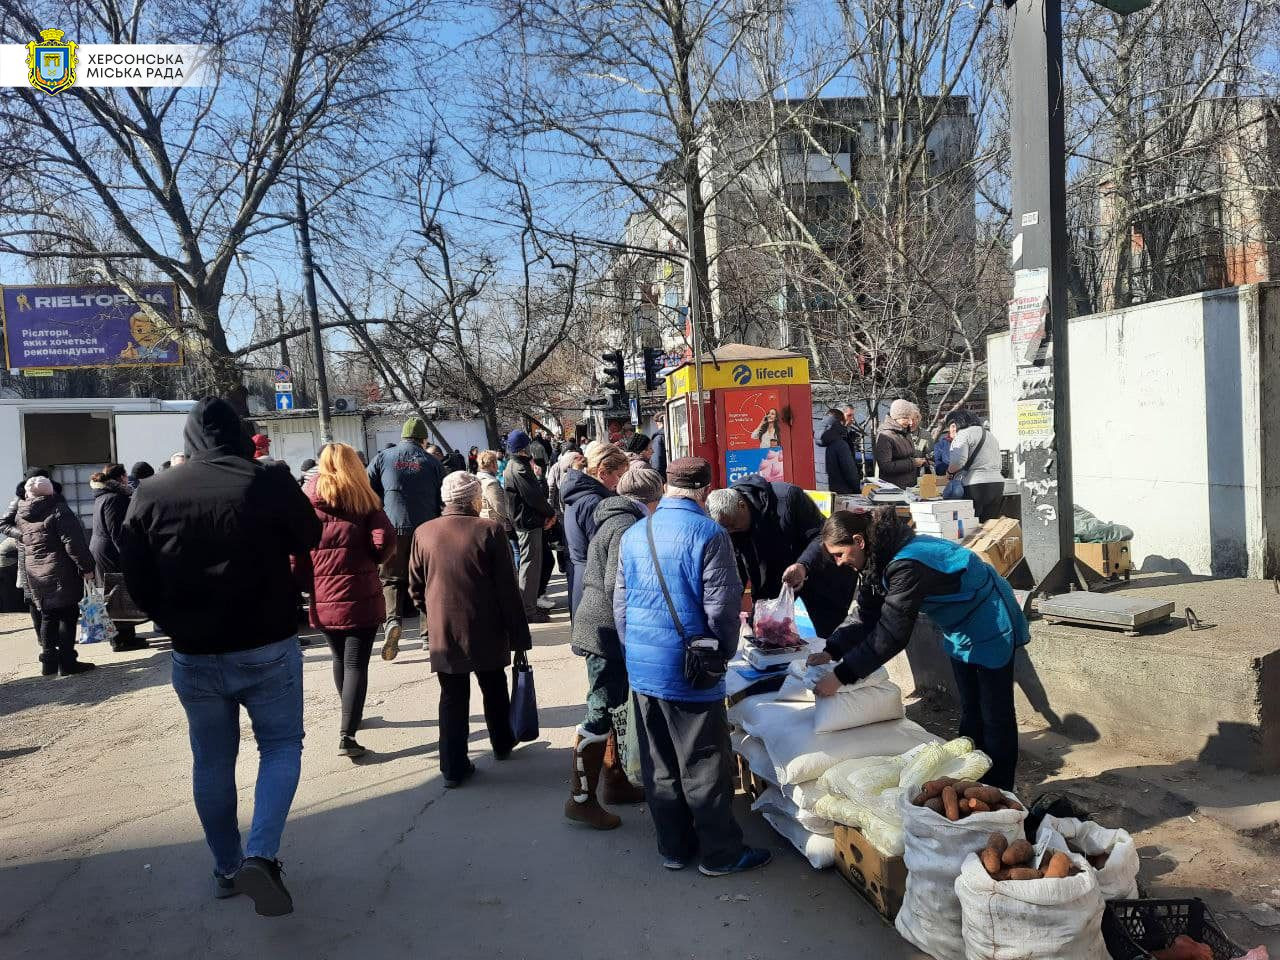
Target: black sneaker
[
  {"x": 79, "y": 666},
  {"x": 224, "y": 887},
  {"x": 125, "y": 646},
  {"x": 539, "y": 616},
  {"x": 261, "y": 880},
  {"x": 347, "y": 747},
  {"x": 466, "y": 775},
  {"x": 752, "y": 858}
]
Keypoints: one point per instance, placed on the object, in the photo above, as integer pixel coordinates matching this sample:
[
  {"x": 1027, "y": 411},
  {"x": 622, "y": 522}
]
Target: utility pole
[
  {"x": 696, "y": 286},
  {"x": 313, "y": 315},
  {"x": 1038, "y": 311}
]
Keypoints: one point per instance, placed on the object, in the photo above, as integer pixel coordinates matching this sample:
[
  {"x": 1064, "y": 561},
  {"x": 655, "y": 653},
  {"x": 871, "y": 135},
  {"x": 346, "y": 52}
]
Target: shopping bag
[
  {"x": 631, "y": 742},
  {"x": 775, "y": 621},
  {"x": 95, "y": 623},
  {"x": 524, "y": 701}
]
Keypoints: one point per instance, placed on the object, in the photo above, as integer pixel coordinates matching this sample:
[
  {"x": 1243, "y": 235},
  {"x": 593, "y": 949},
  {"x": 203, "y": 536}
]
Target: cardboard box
[
  {"x": 931, "y": 486},
  {"x": 999, "y": 543},
  {"x": 943, "y": 509},
  {"x": 947, "y": 529},
  {"x": 1108, "y": 560},
  {"x": 880, "y": 880}
]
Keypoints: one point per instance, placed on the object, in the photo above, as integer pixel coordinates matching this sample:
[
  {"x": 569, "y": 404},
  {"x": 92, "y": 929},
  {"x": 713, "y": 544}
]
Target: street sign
[
  {"x": 283, "y": 375},
  {"x": 284, "y": 388},
  {"x": 284, "y": 401}
]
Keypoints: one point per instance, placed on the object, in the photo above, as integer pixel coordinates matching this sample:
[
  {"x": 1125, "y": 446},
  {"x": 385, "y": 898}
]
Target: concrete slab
[{"x": 1212, "y": 695}]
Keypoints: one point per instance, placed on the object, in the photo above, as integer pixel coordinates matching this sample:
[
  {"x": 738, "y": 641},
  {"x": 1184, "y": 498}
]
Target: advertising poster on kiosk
[{"x": 753, "y": 421}]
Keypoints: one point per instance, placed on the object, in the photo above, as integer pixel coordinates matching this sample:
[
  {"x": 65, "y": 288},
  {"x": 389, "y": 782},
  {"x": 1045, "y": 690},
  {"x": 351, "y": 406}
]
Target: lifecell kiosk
[{"x": 757, "y": 414}]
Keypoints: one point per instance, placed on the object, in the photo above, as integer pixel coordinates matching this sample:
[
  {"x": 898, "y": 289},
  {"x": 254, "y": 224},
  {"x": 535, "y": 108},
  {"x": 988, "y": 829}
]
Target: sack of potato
[
  {"x": 1112, "y": 853},
  {"x": 944, "y": 822},
  {"x": 1020, "y": 902}
]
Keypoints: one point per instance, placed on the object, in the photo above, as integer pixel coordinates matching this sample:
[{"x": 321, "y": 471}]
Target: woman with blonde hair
[{"x": 341, "y": 574}]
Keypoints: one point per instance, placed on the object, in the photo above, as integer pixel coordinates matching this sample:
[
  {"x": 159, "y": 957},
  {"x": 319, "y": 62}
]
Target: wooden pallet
[
  {"x": 750, "y": 782},
  {"x": 880, "y": 880}
]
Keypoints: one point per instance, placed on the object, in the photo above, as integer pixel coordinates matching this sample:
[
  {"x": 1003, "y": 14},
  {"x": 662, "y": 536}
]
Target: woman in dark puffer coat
[
  {"x": 341, "y": 574},
  {"x": 111, "y": 492},
  {"x": 58, "y": 562}
]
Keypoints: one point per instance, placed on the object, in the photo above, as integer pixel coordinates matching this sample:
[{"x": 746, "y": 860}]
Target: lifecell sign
[
  {"x": 739, "y": 373},
  {"x": 63, "y": 327}
]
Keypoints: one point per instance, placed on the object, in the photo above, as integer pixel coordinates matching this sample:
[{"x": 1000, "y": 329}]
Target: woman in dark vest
[{"x": 981, "y": 623}]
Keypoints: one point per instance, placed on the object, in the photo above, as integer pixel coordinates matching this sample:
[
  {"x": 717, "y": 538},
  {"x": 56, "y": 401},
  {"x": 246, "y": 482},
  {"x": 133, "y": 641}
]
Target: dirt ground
[{"x": 101, "y": 854}]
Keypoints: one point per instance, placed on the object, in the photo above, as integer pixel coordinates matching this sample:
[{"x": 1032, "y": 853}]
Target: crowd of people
[{"x": 219, "y": 552}]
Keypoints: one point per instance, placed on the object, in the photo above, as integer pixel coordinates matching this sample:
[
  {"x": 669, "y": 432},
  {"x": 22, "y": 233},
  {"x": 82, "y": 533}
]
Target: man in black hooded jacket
[
  {"x": 205, "y": 552},
  {"x": 776, "y": 531}
]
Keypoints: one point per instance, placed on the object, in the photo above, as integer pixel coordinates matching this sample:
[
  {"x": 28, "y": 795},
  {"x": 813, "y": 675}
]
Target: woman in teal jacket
[{"x": 982, "y": 626}]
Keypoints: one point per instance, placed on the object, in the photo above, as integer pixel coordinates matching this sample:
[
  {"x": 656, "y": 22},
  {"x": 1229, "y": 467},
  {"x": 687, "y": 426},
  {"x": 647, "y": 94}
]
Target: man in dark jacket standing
[
  {"x": 843, "y": 475},
  {"x": 777, "y": 536},
  {"x": 532, "y": 514},
  {"x": 407, "y": 478},
  {"x": 205, "y": 552},
  {"x": 658, "y": 458}
]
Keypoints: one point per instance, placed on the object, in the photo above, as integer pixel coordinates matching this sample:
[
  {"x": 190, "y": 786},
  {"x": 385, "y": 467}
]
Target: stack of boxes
[{"x": 950, "y": 519}]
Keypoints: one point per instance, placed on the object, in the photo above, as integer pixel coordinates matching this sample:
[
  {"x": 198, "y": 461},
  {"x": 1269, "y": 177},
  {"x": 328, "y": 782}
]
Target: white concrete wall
[{"x": 1170, "y": 404}]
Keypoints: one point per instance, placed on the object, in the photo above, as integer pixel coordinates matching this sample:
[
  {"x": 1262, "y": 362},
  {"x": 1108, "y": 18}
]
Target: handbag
[
  {"x": 704, "y": 665},
  {"x": 954, "y": 489},
  {"x": 524, "y": 700}
]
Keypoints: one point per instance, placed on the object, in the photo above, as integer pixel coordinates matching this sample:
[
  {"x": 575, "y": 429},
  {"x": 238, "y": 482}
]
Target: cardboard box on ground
[{"x": 999, "y": 543}]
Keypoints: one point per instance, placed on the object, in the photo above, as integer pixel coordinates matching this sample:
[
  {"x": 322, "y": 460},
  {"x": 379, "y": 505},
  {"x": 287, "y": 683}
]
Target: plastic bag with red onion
[{"x": 775, "y": 622}]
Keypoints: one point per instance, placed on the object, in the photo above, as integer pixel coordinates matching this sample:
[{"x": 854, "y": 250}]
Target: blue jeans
[{"x": 266, "y": 681}]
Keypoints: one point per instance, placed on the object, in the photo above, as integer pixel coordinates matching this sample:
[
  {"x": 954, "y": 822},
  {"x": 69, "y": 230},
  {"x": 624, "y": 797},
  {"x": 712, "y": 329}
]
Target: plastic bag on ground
[
  {"x": 934, "y": 849},
  {"x": 873, "y": 699},
  {"x": 799, "y": 753},
  {"x": 1118, "y": 879},
  {"x": 775, "y": 799},
  {"x": 1058, "y": 919},
  {"x": 879, "y": 821}
]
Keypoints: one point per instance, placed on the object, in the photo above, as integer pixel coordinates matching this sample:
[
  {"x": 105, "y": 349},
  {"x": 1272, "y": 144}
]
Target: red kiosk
[{"x": 757, "y": 414}]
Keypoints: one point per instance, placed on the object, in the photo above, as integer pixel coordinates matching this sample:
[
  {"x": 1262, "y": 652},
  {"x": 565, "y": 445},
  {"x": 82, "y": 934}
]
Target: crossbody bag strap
[
  {"x": 973, "y": 454},
  {"x": 662, "y": 581}
]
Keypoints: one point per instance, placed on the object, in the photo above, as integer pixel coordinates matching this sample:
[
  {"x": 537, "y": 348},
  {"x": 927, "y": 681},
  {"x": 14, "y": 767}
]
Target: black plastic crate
[{"x": 1134, "y": 928}]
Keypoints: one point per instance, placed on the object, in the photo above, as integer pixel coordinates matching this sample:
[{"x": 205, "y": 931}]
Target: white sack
[
  {"x": 757, "y": 757},
  {"x": 799, "y": 753},
  {"x": 934, "y": 849},
  {"x": 878, "y": 819},
  {"x": 775, "y": 799},
  {"x": 1030, "y": 919},
  {"x": 1118, "y": 880},
  {"x": 736, "y": 712},
  {"x": 873, "y": 699},
  {"x": 820, "y": 851},
  {"x": 951, "y": 759}
]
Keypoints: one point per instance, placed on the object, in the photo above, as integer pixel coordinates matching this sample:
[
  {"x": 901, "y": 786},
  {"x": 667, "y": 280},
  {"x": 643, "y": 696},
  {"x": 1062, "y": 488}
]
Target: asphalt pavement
[{"x": 101, "y": 854}]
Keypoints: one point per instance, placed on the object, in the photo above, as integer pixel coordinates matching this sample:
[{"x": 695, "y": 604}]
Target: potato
[
  {"x": 973, "y": 805},
  {"x": 935, "y": 804},
  {"x": 999, "y": 842},
  {"x": 951, "y": 803},
  {"x": 934, "y": 787},
  {"x": 990, "y": 858},
  {"x": 988, "y": 795},
  {"x": 1018, "y": 853},
  {"x": 964, "y": 786},
  {"x": 1059, "y": 866},
  {"x": 1024, "y": 873}
]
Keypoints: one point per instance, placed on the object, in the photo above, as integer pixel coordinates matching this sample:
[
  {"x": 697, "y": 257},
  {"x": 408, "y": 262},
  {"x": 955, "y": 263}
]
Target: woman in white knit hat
[
  {"x": 462, "y": 579},
  {"x": 897, "y": 459}
]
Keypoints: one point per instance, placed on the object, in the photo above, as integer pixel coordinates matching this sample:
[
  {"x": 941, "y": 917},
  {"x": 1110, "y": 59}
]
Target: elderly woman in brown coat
[{"x": 462, "y": 579}]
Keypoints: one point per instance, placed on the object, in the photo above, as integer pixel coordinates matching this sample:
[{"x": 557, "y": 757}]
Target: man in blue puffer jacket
[{"x": 684, "y": 732}]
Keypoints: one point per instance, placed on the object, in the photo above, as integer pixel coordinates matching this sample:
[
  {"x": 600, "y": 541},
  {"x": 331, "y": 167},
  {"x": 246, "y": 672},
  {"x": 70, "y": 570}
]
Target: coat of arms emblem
[{"x": 51, "y": 62}]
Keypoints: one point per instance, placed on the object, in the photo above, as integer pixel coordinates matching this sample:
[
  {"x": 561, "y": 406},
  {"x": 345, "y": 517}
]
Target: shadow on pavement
[{"x": 109, "y": 680}]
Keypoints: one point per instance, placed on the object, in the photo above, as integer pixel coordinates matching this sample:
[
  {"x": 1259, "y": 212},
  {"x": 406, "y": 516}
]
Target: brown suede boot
[
  {"x": 618, "y": 789},
  {"x": 582, "y": 806}
]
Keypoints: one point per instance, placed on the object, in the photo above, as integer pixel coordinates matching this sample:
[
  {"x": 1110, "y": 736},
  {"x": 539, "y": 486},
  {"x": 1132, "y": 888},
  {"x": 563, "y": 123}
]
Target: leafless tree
[{"x": 139, "y": 184}]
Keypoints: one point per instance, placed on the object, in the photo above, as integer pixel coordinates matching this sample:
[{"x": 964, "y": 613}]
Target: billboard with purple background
[{"x": 75, "y": 325}]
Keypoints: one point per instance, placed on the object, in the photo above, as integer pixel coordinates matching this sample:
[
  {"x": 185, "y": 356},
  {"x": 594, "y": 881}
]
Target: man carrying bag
[{"x": 676, "y": 609}]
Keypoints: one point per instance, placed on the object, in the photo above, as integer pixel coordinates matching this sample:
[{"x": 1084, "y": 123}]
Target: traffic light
[
  {"x": 654, "y": 361},
  {"x": 615, "y": 378}
]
